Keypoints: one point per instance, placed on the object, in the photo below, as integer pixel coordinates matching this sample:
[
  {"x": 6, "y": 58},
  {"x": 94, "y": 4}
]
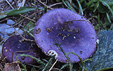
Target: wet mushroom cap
[
  {"x": 14, "y": 46},
  {"x": 67, "y": 29}
]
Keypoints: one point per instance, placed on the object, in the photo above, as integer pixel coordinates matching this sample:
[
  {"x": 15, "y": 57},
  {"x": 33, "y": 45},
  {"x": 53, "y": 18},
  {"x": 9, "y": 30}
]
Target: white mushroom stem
[
  {"x": 97, "y": 41},
  {"x": 53, "y": 53}
]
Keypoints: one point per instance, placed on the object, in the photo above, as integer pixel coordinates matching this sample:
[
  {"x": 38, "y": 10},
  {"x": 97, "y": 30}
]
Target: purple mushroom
[
  {"x": 14, "y": 46},
  {"x": 67, "y": 29}
]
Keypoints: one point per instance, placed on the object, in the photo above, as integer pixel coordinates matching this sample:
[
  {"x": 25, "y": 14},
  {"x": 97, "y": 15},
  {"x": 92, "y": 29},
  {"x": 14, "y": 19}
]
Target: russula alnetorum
[
  {"x": 14, "y": 46},
  {"x": 71, "y": 31}
]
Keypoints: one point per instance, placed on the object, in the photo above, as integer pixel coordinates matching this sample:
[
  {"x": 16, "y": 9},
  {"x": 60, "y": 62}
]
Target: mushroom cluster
[
  {"x": 66, "y": 29},
  {"x": 15, "y": 45}
]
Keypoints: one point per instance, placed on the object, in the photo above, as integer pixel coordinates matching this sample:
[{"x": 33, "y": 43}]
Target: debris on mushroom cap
[
  {"x": 67, "y": 29},
  {"x": 14, "y": 46}
]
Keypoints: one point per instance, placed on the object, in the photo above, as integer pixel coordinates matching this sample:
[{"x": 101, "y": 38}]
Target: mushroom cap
[
  {"x": 67, "y": 29},
  {"x": 14, "y": 46}
]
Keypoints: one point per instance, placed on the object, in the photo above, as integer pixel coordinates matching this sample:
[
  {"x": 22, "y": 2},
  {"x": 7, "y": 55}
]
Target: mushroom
[
  {"x": 14, "y": 45},
  {"x": 67, "y": 29}
]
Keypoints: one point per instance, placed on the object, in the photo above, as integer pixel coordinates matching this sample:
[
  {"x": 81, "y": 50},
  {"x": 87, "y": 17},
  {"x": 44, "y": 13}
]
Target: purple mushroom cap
[
  {"x": 71, "y": 31},
  {"x": 14, "y": 46}
]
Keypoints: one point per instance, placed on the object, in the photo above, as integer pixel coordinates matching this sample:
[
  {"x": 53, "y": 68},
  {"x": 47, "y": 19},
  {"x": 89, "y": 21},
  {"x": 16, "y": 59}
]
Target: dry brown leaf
[{"x": 12, "y": 66}]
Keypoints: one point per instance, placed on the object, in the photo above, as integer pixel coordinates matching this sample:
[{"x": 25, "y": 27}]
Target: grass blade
[
  {"x": 21, "y": 63},
  {"x": 66, "y": 57},
  {"x": 19, "y": 11},
  {"x": 107, "y": 6},
  {"x": 38, "y": 60},
  {"x": 48, "y": 64},
  {"x": 68, "y": 5},
  {"x": 80, "y": 60},
  {"x": 108, "y": 17},
  {"x": 80, "y": 8}
]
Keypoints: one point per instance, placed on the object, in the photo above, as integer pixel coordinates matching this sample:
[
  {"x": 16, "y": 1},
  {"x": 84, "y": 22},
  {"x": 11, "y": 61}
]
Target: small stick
[
  {"x": 22, "y": 4},
  {"x": 44, "y": 4},
  {"x": 23, "y": 37},
  {"x": 27, "y": 18},
  {"x": 53, "y": 65},
  {"x": 54, "y": 4},
  {"x": 9, "y": 4}
]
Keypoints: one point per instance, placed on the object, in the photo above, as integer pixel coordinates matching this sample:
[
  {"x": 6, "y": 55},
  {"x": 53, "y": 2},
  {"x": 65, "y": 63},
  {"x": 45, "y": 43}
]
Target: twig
[
  {"x": 22, "y": 4},
  {"x": 4, "y": 19},
  {"x": 53, "y": 65},
  {"x": 23, "y": 37},
  {"x": 27, "y": 18},
  {"x": 54, "y": 4},
  {"x": 19, "y": 22},
  {"x": 47, "y": 64},
  {"x": 5, "y": 39},
  {"x": 44, "y": 4},
  {"x": 56, "y": 69},
  {"x": 18, "y": 1},
  {"x": 9, "y": 4},
  {"x": 50, "y": 5},
  {"x": 92, "y": 17},
  {"x": 70, "y": 1}
]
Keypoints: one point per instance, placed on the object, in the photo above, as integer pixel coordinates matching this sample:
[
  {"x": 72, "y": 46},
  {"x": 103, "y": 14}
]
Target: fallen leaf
[{"x": 12, "y": 66}]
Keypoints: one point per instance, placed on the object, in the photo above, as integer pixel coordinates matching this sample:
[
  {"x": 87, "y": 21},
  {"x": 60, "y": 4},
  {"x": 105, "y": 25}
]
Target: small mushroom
[
  {"x": 67, "y": 29},
  {"x": 15, "y": 45}
]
